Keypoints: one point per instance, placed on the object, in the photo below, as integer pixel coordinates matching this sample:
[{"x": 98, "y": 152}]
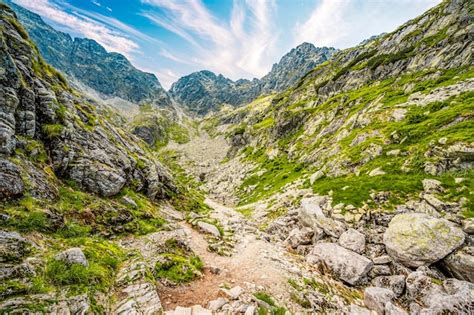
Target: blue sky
[{"x": 238, "y": 38}]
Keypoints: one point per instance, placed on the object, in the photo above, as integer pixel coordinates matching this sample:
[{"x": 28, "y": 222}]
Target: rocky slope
[
  {"x": 110, "y": 74},
  {"x": 73, "y": 185},
  {"x": 203, "y": 91},
  {"x": 368, "y": 159}
]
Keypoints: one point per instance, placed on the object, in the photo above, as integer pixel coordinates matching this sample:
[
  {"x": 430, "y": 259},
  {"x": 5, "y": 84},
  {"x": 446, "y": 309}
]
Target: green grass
[
  {"x": 52, "y": 130},
  {"x": 177, "y": 264}
]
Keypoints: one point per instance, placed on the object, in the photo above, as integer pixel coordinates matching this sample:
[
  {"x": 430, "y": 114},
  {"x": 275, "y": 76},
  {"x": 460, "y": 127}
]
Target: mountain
[
  {"x": 293, "y": 66},
  {"x": 204, "y": 91},
  {"x": 110, "y": 74}
]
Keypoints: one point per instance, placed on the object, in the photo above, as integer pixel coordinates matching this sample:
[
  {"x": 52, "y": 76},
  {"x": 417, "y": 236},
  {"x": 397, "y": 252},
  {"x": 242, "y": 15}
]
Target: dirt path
[{"x": 254, "y": 264}]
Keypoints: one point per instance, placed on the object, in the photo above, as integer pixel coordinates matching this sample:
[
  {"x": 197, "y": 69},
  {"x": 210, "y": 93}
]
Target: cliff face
[{"x": 110, "y": 74}]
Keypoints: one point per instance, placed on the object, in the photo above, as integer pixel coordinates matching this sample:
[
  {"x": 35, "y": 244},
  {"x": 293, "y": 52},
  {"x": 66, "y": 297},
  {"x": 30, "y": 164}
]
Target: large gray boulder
[
  {"x": 416, "y": 239},
  {"x": 345, "y": 264},
  {"x": 461, "y": 263}
]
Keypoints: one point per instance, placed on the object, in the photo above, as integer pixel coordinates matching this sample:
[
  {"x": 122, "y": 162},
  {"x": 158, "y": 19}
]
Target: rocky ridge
[
  {"x": 202, "y": 92},
  {"x": 84, "y": 60}
]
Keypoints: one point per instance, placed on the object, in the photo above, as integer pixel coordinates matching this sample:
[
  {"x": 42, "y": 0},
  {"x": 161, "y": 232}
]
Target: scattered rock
[
  {"x": 347, "y": 265},
  {"x": 73, "y": 256},
  {"x": 395, "y": 152},
  {"x": 233, "y": 293},
  {"x": 299, "y": 237},
  {"x": 461, "y": 263},
  {"x": 376, "y": 172},
  {"x": 394, "y": 283},
  {"x": 392, "y": 309},
  {"x": 416, "y": 239},
  {"x": 375, "y": 298},
  {"x": 359, "y": 310},
  {"x": 315, "y": 176},
  {"x": 432, "y": 185},
  {"x": 209, "y": 228},
  {"x": 353, "y": 240},
  {"x": 138, "y": 298},
  {"x": 381, "y": 260},
  {"x": 129, "y": 201},
  {"x": 468, "y": 226},
  {"x": 216, "y": 304},
  {"x": 311, "y": 214}
]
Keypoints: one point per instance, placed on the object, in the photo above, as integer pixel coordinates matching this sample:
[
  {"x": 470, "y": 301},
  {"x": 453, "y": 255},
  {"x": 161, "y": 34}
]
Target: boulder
[
  {"x": 209, "y": 228},
  {"x": 315, "y": 176},
  {"x": 416, "y": 239},
  {"x": 345, "y": 264},
  {"x": 73, "y": 255},
  {"x": 468, "y": 226},
  {"x": 432, "y": 185},
  {"x": 233, "y": 293},
  {"x": 353, "y": 240},
  {"x": 461, "y": 263},
  {"x": 216, "y": 304},
  {"x": 456, "y": 298},
  {"x": 394, "y": 283},
  {"x": 311, "y": 214},
  {"x": 11, "y": 184},
  {"x": 359, "y": 310},
  {"x": 299, "y": 237},
  {"x": 13, "y": 246},
  {"x": 392, "y": 309},
  {"x": 376, "y": 298}
]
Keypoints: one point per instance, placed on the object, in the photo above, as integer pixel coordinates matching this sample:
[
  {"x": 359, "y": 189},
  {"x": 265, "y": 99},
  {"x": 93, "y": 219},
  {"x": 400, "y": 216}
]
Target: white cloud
[
  {"x": 244, "y": 46},
  {"x": 325, "y": 25},
  {"x": 112, "y": 40}
]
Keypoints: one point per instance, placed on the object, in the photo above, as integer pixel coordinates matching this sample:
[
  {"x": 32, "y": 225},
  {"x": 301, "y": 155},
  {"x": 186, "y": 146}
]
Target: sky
[{"x": 237, "y": 38}]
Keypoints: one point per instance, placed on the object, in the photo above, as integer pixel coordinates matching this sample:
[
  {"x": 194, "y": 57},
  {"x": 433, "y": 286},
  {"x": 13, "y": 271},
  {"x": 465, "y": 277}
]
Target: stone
[
  {"x": 381, "y": 260},
  {"x": 353, "y": 240},
  {"x": 394, "y": 283},
  {"x": 209, "y": 228},
  {"x": 251, "y": 309},
  {"x": 233, "y": 293},
  {"x": 129, "y": 201},
  {"x": 11, "y": 183},
  {"x": 376, "y": 172},
  {"x": 432, "y": 185},
  {"x": 299, "y": 237},
  {"x": 311, "y": 214},
  {"x": 315, "y": 176},
  {"x": 138, "y": 298},
  {"x": 375, "y": 298},
  {"x": 392, "y": 309},
  {"x": 461, "y": 263},
  {"x": 216, "y": 304},
  {"x": 416, "y": 239},
  {"x": 345, "y": 264},
  {"x": 380, "y": 270},
  {"x": 73, "y": 255},
  {"x": 199, "y": 310},
  {"x": 395, "y": 152},
  {"x": 359, "y": 310},
  {"x": 456, "y": 297},
  {"x": 13, "y": 247},
  {"x": 398, "y": 114},
  {"x": 468, "y": 226}
]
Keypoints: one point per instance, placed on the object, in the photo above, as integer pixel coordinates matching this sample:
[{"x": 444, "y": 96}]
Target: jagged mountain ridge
[
  {"x": 110, "y": 74},
  {"x": 205, "y": 91}
]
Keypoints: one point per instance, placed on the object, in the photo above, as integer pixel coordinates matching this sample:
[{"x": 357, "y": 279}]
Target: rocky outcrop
[
  {"x": 82, "y": 146},
  {"x": 416, "y": 239},
  {"x": 13, "y": 247},
  {"x": 109, "y": 73}
]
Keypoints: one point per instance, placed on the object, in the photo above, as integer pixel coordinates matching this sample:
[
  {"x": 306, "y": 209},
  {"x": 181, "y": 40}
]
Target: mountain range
[{"x": 112, "y": 75}]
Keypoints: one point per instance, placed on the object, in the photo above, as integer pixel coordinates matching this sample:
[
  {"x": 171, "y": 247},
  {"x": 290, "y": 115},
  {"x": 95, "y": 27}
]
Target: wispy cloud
[
  {"x": 243, "y": 46},
  {"x": 325, "y": 25},
  {"x": 111, "y": 39}
]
